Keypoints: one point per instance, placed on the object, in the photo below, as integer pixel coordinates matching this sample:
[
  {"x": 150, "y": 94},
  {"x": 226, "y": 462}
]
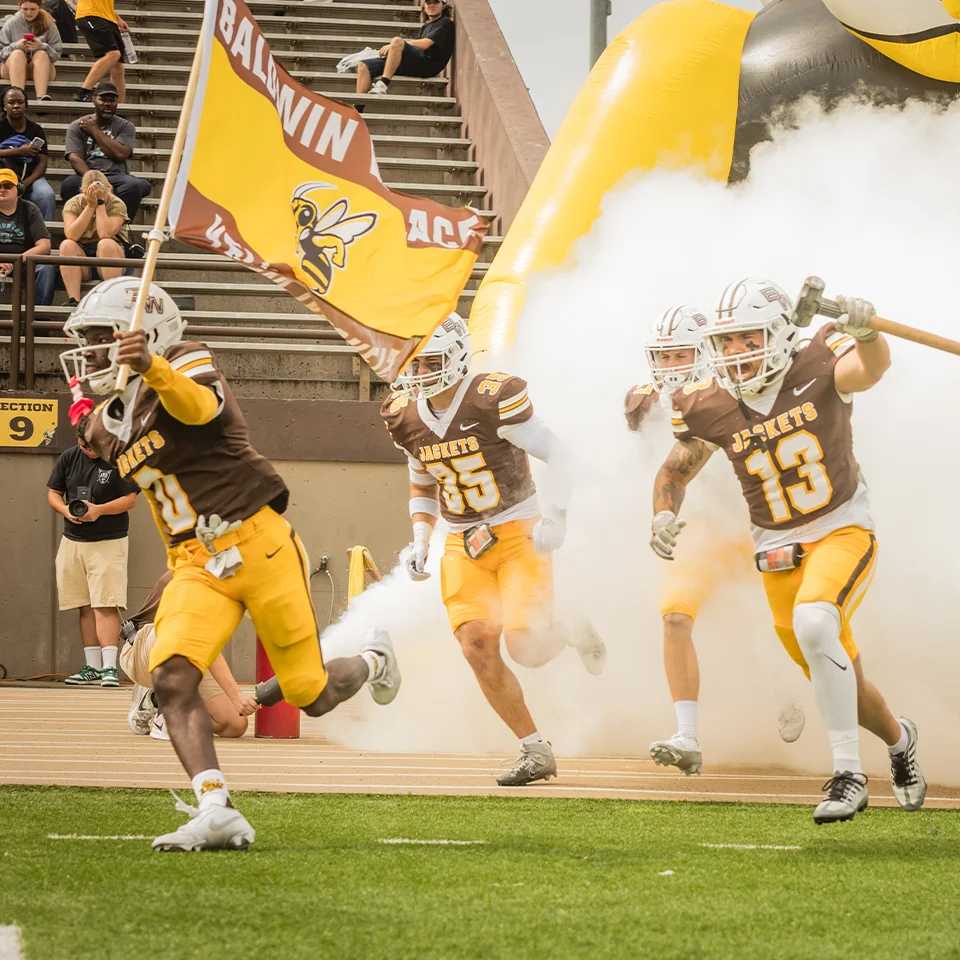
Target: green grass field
[{"x": 554, "y": 878}]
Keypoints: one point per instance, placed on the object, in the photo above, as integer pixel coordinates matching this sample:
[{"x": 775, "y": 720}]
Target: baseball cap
[
  {"x": 105, "y": 87},
  {"x": 8, "y": 176}
]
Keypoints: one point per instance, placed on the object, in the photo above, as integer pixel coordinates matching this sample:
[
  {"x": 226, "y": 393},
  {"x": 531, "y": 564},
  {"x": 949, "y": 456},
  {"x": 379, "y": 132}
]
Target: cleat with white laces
[
  {"x": 536, "y": 762},
  {"x": 384, "y": 687},
  {"x": 679, "y": 751},
  {"x": 87, "y": 676},
  {"x": 213, "y": 828},
  {"x": 143, "y": 708},
  {"x": 909, "y": 787},
  {"x": 791, "y": 722},
  {"x": 158, "y": 728},
  {"x": 846, "y": 797},
  {"x": 588, "y": 643}
]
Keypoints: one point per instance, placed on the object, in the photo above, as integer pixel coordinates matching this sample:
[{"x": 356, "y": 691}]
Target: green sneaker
[
  {"x": 109, "y": 677},
  {"x": 87, "y": 677}
]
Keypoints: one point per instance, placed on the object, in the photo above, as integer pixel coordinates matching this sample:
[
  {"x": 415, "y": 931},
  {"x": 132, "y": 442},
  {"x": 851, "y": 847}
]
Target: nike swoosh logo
[
  {"x": 275, "y": 552},
  {"x": 469, "y": 426},
  {"x": 798, "y": 390},
  {"x": 834, "y": 662},
  {"x": 143, "y": 420}
]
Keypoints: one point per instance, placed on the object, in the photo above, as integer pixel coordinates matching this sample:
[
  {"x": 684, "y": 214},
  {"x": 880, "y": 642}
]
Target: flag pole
[{"x": 156, "y": 236}]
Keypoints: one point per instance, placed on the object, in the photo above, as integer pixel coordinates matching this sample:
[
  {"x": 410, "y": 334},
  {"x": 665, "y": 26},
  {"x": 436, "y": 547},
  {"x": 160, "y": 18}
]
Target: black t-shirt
[
  {"x": 74, "y": 469},
  {"x": 20, "y": 230},
  {"x": 22, "y": 165},
  {"x": 442, "y": 32}
]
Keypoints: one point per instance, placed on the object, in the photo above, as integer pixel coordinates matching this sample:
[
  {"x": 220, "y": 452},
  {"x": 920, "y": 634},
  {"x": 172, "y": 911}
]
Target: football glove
[
  {"x": 548, "y": 534},
  {"x": 666, "y": 528},
  {"x": 856, "y": 318},
  {"x": 418, "y": 551},
  {"x": 208, "y": 530}
]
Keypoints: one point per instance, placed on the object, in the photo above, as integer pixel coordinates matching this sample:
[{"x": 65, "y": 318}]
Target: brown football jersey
[
  {"x": 480, "y": 474},
  {"x": 148, "y": 612},
  {"x": 796, "y": 463},
  {"x": 187, "y": 471},
  {"x": 638, "y": 403}
]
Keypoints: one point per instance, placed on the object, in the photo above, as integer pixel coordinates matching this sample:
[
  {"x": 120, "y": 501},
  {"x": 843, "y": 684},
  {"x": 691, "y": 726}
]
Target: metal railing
[{"x": 23, "y": 322}]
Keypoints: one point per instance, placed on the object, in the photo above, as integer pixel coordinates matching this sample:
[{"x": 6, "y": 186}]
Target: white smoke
[{"x": 865, "y": 199}]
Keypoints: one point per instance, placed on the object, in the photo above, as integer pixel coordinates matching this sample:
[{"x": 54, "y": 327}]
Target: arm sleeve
[
  {"x": 418, "y": 475},
  {"x": 184, "y": 399},
  {"x": 75, "y": 140},
  {"x": 38, "y": 229},
  {"x": 58, "y": 477},
  {"x": 128, "y": 136},
  {"x": 52, "y": 44},
  {"x": 535, "y": 438}
]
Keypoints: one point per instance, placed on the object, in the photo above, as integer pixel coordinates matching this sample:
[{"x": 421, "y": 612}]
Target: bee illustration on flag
[{"x": 322, "y": 238}]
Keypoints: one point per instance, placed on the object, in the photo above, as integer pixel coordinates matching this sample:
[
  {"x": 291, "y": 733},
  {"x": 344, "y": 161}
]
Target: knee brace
[{"x": 817, "y": 629}]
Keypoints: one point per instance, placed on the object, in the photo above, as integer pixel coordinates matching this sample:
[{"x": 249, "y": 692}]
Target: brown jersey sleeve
[
  {"x": 504, "y": 395},
  {"x": 395, "y": 411},
  {"x": 639, "y": 401}
]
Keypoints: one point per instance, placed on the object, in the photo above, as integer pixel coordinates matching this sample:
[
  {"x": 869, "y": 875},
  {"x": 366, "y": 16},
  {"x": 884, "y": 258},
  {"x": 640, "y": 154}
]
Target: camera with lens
[{"x": 76, "y": 507}]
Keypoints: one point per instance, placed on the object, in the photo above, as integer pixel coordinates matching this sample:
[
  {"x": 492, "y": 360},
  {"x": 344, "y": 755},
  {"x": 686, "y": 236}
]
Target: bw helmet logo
[
  {"x": 151, "y": 305},
  {"x": 323, "y": 238}
]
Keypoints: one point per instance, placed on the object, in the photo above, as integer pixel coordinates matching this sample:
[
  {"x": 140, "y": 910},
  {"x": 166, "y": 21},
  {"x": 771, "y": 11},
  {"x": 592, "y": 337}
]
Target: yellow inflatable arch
[{"x": 692, "y": 84}]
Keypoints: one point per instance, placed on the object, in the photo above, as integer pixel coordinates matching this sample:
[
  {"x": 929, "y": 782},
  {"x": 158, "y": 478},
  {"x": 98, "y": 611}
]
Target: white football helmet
[
  {"x": 751, "y": 305},
  {"x": 680, "y": 328},
  {"x": 110, "y": 304},
  {"x": 451, "y": 342}
]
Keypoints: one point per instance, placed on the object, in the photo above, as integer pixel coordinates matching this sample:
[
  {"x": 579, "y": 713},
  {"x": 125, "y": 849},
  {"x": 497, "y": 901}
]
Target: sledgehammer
[{"x": 812, "y": 302}]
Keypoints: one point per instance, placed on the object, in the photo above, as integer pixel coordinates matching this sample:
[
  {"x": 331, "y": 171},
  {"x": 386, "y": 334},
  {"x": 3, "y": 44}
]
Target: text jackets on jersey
[
  {"x": 186, "y": 471},
  {"x": 481, "y": 475},
  {"x": 796, "y": 463}
]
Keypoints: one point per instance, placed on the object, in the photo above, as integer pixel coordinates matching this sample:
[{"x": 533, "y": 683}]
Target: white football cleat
[
  {"x": 909, "y": 787},
  {"x": 791, "y": 722},
  {"x": 142, "y": 710},
  {"x": 158, "y": 729},
  {"x": 385, "y": 686},
  {"x": 536, "y": 762},
  {"x": 588, "y": 643},
  {"x": 679, "y": 751},
  {"x": 214, "y": 828},
  {"x": 846, "y": 797}
]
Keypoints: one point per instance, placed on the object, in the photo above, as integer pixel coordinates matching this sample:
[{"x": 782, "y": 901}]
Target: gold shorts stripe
[{"x": 857, "y": 572}]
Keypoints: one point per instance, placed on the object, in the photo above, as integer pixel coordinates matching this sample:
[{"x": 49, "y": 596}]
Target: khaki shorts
[
  {"x": 92, "y": 574},
  {"x": 135, "y": 660}
]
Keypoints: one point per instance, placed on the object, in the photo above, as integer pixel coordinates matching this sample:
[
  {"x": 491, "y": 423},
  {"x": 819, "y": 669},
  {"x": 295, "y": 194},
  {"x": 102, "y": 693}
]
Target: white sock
[
  {"x": 109, "y": 657},
  {"x": 686, "y": 717},
  {"x": 532, "y": 740},
  {"x": 376, "y": 664},
  {"x": 92, "y": 656},
  {"x": 901, "y": 745},
  {"x": 210, "y": 786},
  {"x": 817, "y": 628}
]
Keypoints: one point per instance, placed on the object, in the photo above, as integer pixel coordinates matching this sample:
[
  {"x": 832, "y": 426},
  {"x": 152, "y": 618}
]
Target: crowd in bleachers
[{"x": 102, "y": 197}]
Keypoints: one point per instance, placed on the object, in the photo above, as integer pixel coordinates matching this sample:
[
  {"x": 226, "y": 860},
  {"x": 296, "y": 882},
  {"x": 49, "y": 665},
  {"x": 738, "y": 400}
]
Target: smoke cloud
[{"x": 864, "y": 199}]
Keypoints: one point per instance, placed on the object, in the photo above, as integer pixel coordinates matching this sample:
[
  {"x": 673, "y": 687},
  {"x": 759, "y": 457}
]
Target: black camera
[{"x": 76, "y": 507}]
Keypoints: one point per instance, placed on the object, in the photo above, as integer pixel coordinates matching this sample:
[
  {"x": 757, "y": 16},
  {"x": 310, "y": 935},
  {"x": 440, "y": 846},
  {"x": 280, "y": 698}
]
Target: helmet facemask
[
  {"x": 450, "y": 342},
  {"x": 668, "y": 379},
  {"x": 98, "y": 378},
  {"x": 732, "y": 371}
]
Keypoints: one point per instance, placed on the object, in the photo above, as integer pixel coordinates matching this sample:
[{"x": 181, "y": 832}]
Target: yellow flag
[{"x": 286, "y": 181}]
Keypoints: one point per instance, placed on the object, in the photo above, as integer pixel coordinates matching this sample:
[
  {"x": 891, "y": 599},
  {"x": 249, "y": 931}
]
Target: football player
[
  {"x": 674, "y": 352},
  {"x": 468, "y": 437},
  {"x": 228, "y": 706},
  {"x": 177, "y": 431},
  {"x": 781, "y": 412}
]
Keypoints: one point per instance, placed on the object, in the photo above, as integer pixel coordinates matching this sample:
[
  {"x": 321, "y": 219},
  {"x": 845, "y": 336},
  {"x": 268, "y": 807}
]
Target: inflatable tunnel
[{"x": 695, "y": 84}]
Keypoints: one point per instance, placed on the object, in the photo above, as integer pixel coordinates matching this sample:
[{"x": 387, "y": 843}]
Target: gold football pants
[
  {"x": 198, "y": 613},
  {"x": 837, "y": 570},
  {"x": 694, "y": 577}
]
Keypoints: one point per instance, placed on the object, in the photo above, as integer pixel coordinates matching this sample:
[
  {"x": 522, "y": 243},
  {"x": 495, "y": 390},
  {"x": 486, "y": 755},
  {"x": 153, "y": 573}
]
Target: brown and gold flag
[{"x": 286, "y": 181}]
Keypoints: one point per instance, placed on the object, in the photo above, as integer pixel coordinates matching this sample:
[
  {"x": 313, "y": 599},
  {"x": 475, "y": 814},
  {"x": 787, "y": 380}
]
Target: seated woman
[
  {"x": 30, "y": 43},
  {"x": 94, "y": 225},
  {"x": 424, "y": 57},
  {"x": 23, "y": 149}
]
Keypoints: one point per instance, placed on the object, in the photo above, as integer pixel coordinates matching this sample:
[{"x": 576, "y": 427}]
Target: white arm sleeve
[
  {"x": 418, "y": 475},
  {"x": 535, "y": 438}
]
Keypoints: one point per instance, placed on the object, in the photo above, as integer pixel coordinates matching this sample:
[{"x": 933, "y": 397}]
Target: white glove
[
  {"x": 208, "y": 530},
  {"x": 856, "y": 318},
  {"x": 666, "y": 528},
  {"x": 548, "y": 534},
  {"x": 420, "y": 548}
]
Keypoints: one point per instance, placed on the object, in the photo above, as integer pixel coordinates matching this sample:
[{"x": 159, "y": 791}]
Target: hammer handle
[{"x": 829, "y": 308}]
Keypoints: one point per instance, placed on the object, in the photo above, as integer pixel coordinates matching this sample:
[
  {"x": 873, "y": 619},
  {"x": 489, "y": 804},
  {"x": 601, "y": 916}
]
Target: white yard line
[
  {"x": 432, "y": 843},
  {"x": 747, "y": 846},
  {"x": 85, "y": 836},
  {"x": 10, "y": 943}
]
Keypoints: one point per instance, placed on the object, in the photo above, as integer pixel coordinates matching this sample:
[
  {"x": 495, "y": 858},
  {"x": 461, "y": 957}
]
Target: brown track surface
[{"x": 79, "y": 737}]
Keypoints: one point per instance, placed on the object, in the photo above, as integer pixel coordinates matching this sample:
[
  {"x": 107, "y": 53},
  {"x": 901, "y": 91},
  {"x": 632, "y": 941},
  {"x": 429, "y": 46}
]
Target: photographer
[{"x": 92, "y": 560}]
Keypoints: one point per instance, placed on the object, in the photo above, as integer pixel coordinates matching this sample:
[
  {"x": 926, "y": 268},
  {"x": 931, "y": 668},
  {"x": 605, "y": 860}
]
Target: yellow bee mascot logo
[{"x": 322, "y": 238}]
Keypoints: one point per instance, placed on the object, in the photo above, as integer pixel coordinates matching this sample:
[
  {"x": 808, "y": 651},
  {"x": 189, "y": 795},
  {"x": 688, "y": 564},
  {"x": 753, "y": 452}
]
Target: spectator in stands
[
  {"x": 92, "y": 560},
  {"x": 101, "y": 27},
  {"x": 424, "y": 57},
  {"x": 64, "y": 13},
  {"x": 19, "y": 152},
  {"x": 23, "y": 231},
  {"x": 30, "y": 43},
  {"x": 94, "y": 225},
  {"x": 103, "y": 141}
]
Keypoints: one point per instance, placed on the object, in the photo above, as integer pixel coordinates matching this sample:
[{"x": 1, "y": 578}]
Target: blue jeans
[
  {"x": 46, "y": 277},
  {"x": 41, "y": 193}
]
